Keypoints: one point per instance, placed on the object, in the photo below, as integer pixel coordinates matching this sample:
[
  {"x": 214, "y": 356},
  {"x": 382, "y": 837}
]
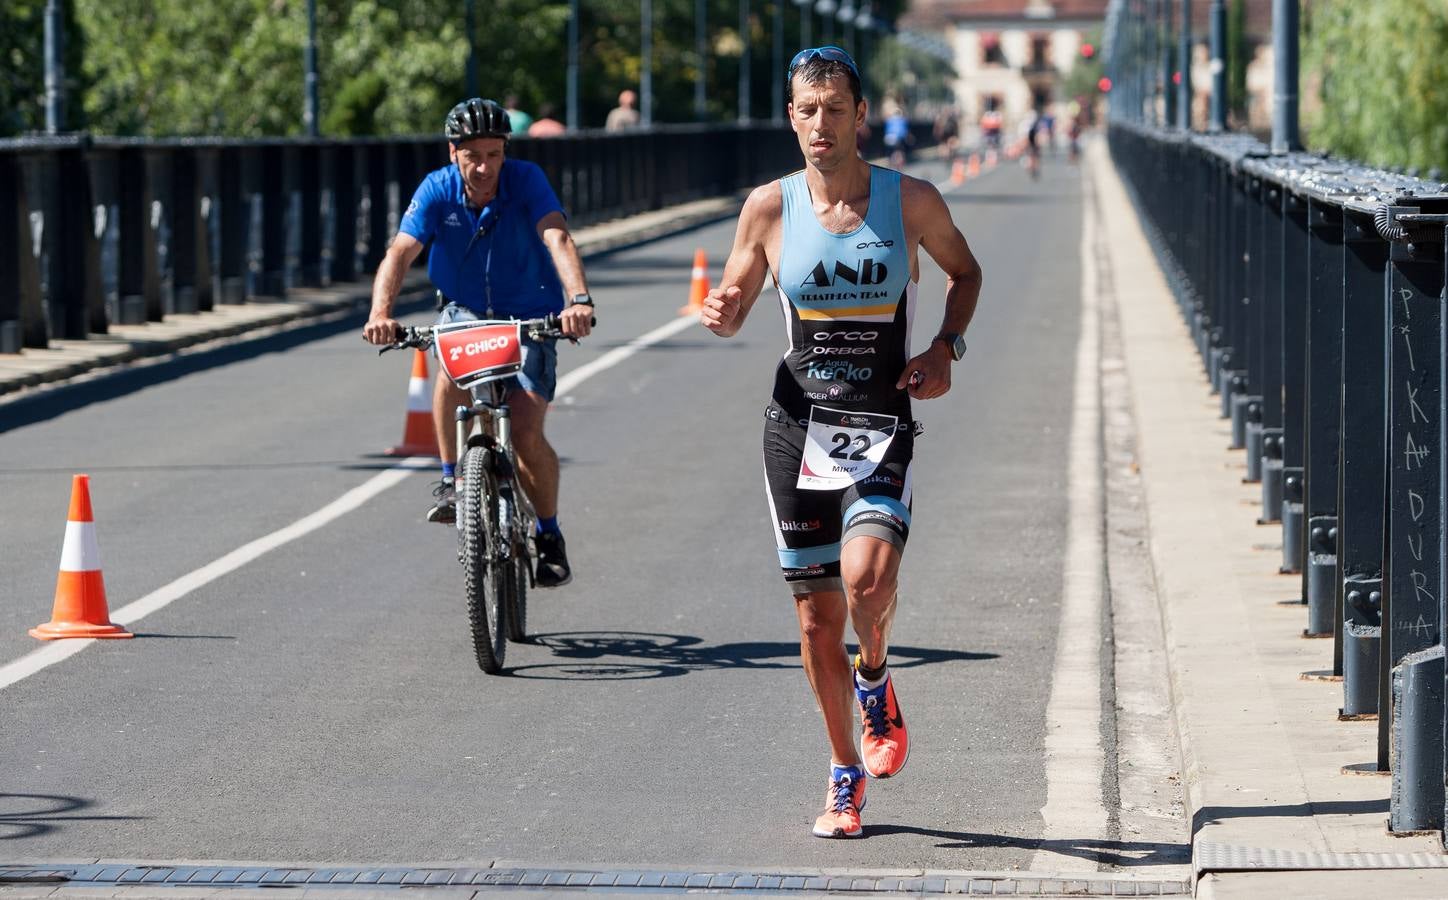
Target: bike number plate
[
  {"x": 472, "y": 353},
  {"x": 840, "y": 448}
]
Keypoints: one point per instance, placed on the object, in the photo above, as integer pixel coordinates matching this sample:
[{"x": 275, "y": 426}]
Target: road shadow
[
  {"x": 1211, "y": 815},
  {"x": 633, "y": 655},
  {"x": 31, "y": 815},
  {"x": 1127, "y": 854}
]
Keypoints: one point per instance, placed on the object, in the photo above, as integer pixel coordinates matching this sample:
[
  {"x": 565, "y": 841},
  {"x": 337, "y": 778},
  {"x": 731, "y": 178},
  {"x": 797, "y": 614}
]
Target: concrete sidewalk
[
  {"x": 1272, "y": 812},
  {"x": 129, "y": 344}
]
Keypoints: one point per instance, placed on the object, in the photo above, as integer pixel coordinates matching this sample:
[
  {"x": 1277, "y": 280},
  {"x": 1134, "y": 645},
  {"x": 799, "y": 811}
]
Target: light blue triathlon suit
[{"x": 838, "y": 436}]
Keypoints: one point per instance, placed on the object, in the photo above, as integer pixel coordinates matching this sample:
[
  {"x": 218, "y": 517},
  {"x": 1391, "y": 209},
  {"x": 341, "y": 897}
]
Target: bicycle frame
[{"x": 493, "y": 419}]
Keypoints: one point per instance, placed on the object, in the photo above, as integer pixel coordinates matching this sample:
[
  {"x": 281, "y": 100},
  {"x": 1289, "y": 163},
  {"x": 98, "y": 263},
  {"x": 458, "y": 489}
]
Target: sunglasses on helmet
[{"x": 831, "y": 53}]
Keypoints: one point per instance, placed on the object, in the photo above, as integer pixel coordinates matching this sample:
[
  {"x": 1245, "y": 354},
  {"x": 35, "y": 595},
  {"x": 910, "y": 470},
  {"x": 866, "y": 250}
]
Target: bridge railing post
[
  {"x": 1363, "y": 381},
  {"x": 1323, "y": 405},
  {"x": 1412, "y": 633}
]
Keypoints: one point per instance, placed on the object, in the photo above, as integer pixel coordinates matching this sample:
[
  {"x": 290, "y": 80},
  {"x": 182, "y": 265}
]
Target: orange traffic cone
[
  {"x": 418, "y": 436},
  {"x": 957, "y": 171},
  {"x": 973, "y": 170},
  {"x": 80, "y": 592},
  {"x": 698, "y": 285}
]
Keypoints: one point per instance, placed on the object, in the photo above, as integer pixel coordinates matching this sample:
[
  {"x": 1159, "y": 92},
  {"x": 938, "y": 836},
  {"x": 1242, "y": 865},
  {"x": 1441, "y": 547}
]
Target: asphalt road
[{"x": 321, "y": 702}]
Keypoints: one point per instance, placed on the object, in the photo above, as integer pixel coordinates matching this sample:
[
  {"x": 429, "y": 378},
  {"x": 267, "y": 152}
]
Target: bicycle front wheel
[
  {"x": 517, "y": 569},
  {"x": 484, "y": 575}
]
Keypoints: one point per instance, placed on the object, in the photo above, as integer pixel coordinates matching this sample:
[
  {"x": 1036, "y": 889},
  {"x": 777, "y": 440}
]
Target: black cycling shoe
[
  {"x": 445, "y": 509},
  {"x": 553, "y": 568}
]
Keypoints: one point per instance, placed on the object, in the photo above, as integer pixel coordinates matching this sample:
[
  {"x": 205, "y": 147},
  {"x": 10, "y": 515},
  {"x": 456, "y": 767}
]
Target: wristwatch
[
  {"x": 580, "y": 300},
  {"x": 955, "y": 343}
]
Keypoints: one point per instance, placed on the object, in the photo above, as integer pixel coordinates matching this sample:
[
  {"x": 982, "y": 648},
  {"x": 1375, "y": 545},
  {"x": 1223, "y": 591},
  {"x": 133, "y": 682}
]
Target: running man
[{"x": 838, "y": 433}]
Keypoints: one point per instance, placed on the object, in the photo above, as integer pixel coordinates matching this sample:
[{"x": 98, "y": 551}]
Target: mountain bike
[{"x": 495, "y": 518}]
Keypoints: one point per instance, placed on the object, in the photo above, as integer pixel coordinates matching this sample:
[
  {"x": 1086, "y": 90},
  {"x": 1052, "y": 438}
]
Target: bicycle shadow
[
  {"x": 636, "y": 655},
  {"x": 38, "y": 811}
]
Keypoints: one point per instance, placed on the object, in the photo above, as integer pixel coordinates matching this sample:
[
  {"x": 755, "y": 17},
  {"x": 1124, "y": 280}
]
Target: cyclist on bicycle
[
  {"x": 501, "y": 248},
  {"x": 840, "y": 241}
]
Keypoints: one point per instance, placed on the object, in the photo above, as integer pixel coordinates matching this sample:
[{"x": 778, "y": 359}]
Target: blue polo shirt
[{"x": 508, "y": 268}]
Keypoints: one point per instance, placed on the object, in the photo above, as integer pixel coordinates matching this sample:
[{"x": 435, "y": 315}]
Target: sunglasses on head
[{"x": 831, "y": 53}]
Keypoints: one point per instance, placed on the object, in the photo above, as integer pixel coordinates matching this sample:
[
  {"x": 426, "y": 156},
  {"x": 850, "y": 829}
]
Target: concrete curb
[{"x": 127, "y": 344}]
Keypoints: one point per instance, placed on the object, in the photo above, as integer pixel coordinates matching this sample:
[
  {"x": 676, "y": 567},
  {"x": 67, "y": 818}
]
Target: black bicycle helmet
[{"x": 477, "y": 118}]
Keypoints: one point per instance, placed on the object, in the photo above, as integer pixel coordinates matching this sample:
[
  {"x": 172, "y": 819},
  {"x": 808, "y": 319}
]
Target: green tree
[
  {"x": 22, "y": 67},
  {"x": 1379, "y": 68},
  {"x": 235, "y": 67}
]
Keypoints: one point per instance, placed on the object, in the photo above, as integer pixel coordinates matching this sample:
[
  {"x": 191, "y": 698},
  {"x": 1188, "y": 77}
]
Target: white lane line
[
  {"x": 162, "y": 597},
  {"x": 58, "y": 651},
  {"x": 1075, "y": 809}
]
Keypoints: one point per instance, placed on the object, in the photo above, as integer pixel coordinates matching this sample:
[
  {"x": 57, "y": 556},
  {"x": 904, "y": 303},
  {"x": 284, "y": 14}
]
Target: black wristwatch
[
  {"x": 580, "y": 300},
  {"x": 955, "y": 343}
]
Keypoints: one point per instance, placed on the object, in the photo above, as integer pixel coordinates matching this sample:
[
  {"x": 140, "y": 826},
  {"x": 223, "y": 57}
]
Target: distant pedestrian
[
  {"x": 517, "y": 119},
  {"x": 545, "y": 125},
  {"x": 625, "y": 115},
  {"x": 897, "y": 136}
]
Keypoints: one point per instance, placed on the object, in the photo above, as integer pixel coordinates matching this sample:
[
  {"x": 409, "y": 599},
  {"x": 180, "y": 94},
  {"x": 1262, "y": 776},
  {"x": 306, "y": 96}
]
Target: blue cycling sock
[
  {"x": 447, "y": 470},
  {"x": 547, "y": 525}
]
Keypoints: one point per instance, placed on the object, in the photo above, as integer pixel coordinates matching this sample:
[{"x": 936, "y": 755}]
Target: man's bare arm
[
  {"x": 928, "y": 374},
  {"x": 381, "y": 328},
  {"x": 946, "y": 245},
  {"x": 728, "y": 304},
  {"x": 553, "y": 229}
]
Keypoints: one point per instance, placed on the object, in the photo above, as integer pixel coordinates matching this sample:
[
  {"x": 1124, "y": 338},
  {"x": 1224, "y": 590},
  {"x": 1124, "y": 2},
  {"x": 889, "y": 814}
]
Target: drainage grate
[
  {"x": 639, "y": 881},
  {"x": 1212, "y": 857}
]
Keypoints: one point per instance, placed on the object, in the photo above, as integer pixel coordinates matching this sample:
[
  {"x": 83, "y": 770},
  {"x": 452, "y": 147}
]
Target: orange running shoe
[
  {"x": 884, "y": 742},
  {"x": 843, "y": 802}
]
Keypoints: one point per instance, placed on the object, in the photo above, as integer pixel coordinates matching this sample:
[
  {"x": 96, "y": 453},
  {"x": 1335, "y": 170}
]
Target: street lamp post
[
  {"x": 1184, "y": 54},
  {"x": 646, "y": 64},
  {"x": 54, "y": 68},
  {"x": 1219, "y": 66},
  {"x": 1284, "y": 92},
  {"x": 778, "y": 68},
  {"x": 847, "y": 16},
  {"x": 470, "y": 24},
  {"x": 1168, "y": 86},
  {"x": 309, "y": 110},
  {"x": 805, "y": 12},
  {"x": 572, "y": 65},
  {"x": 745, "y": 84},
  {"x": 866, "y": 24},
  {"x": 700, "y": 48}
]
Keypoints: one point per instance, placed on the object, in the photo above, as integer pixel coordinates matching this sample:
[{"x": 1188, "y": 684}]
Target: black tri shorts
[{"x": 810, "y": 526}]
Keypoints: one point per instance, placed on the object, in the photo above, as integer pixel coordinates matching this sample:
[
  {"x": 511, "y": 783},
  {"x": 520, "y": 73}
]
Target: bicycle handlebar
[{"x": 421, "y": 336}]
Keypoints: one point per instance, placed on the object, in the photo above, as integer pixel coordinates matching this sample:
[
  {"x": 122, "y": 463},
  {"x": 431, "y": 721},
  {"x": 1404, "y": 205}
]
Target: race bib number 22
[{"x": 841, "y": 448}]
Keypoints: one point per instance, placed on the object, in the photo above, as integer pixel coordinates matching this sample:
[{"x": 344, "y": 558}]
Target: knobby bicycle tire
[
  {"x": 484, "y": 577},
  {"x": 517, "y": 568}
]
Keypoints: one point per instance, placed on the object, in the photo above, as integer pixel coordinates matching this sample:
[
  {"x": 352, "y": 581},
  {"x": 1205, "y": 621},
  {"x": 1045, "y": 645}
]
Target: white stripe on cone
[
  {"x": 81, "y": 552},
  {"x": 418, "y": 397}
]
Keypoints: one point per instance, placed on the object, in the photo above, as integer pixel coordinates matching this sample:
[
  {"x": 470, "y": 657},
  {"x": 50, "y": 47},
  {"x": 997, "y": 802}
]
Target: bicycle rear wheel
[
  {"x": 486, "y": 579},
  {"x": 517, "y": 570}
]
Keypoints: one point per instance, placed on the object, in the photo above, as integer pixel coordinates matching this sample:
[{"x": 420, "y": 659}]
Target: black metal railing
[
  {"x": 1315, "y": 290},
  {"x": 97, "y": 231}
]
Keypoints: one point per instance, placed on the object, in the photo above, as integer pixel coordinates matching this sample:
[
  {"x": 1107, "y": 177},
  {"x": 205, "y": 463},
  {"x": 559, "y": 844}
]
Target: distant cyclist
[
  {"x": 501, "y": 248},
  {"x": 840, "y": 241}
]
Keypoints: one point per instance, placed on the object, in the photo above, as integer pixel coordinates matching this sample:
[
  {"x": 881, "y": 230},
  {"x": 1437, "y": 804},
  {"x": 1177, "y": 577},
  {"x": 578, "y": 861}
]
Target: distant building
[
  {"x": 1010, "y": 55},
  {"x": 1014, "y": 55}
]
